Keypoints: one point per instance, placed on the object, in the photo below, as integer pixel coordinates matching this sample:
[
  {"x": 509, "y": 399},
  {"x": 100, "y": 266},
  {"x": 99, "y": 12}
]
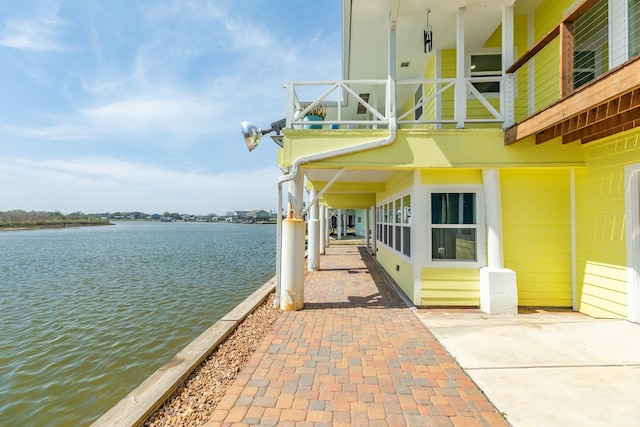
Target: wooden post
[{"x": 566, "y": 59}]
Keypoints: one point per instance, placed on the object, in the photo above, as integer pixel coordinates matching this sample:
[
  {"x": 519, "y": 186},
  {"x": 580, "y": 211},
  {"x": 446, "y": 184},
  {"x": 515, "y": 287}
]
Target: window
[
  {"x": 394, "y": 224},
  {"x": 584, "y": 67},
  {"x": 454, "y": 226},
  {"x": 417, "y": 97},
  {"x": 487, "y": 65}
]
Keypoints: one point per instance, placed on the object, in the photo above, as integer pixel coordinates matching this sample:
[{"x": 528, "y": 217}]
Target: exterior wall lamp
[{"x": 252, "y": 133}]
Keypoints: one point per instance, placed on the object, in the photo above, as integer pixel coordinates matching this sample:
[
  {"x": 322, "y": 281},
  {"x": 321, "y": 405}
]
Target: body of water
[{"x": 86, "y": 314}]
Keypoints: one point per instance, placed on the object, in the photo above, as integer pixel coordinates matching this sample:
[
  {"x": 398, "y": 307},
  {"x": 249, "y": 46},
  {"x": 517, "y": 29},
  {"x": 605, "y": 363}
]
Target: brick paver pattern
[{"x": 355, "y": 355}]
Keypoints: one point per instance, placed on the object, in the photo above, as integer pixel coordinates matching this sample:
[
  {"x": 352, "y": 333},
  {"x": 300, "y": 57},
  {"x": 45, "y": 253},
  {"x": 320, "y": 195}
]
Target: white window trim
[
  {"x": 481, "y": 233},
  {"x": 391, "y": 247},
  {"x": 488, "y": 51},
  {"x": 632, "y": 213}
]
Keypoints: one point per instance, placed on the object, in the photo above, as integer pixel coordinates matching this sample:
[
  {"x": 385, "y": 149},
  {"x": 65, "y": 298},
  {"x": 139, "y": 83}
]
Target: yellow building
[{"x": 494, "y": 146}]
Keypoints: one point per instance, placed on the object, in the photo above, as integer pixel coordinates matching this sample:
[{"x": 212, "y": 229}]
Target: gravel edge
[{"x": 194, "y": 400}]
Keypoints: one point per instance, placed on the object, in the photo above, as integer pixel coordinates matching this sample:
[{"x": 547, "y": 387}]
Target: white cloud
[
  {"x": 110, "y": 185},
  {"x": 181, "y": 113},
  {"x": 57, "y": 133},
  {"x": 37, "y": 34}
]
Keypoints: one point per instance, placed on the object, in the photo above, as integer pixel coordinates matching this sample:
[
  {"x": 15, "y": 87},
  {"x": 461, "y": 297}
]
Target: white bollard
[{"x": 292, "y": 270}]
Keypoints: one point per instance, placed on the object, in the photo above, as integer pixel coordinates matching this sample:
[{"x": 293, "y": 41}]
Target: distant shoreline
[{"x": 45, "y": 226}]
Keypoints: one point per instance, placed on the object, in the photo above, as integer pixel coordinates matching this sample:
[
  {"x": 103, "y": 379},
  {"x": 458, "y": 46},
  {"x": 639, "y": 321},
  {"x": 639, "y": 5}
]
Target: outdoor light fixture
[
  {"x": 428, "y": 34},
  {"x": 252, "y": 133}
]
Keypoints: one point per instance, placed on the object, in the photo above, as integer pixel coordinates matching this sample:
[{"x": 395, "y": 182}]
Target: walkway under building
[{"x": 355, "y": 355}]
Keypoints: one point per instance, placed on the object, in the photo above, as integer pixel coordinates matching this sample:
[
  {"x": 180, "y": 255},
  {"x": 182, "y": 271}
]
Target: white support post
[
  {"x": 366, "y": 229},
  {"x": 461, "y": 85},
  {"x": 292, "y": 259},
  {"x": 313, "y": 231},
  {"x": 374, "y": 230},
  {"x": 323, "y": 228},
  {"x": 339, "y": 223},
  {"x": 507, "y": 92},
  {"x": 326, "y": 230},
  {"x": 498, "y": 286},
  {"x": 419, "y": 233}
]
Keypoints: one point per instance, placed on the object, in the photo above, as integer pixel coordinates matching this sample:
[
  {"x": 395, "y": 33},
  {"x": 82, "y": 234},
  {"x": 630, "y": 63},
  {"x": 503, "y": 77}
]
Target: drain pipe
[{"x": 295, "y": 168}]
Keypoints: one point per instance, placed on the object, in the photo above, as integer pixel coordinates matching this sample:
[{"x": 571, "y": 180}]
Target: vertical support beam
[
  {"x": 493, "y": 206},
  {"x": 339, "y": 222},
  {"x": 366, "y": 229},
  {"x": 461, "y": 85},
  {"x": 374, "y": 229},
  {"x": 566, "y": 59},
  {"x": 574, "y": 262},
  {"x": 618, "y": 32},
  {"x": 326, "y": 230},
  {"x": 296, "y": 191},
  {"x": 313, "y": 232},
  {"x": 323, "y": 228},
  {"x": 507, "y": 92},
  {"x": 419, "y": 233},
  {"x": 498, "y": 285}
]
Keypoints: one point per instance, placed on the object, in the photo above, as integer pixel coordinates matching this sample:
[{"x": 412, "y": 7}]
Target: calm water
[{"x": 86, "y": 314}]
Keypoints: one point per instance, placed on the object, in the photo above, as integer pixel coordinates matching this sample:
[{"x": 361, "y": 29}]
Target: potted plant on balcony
[{"x": 316, "y": 114}]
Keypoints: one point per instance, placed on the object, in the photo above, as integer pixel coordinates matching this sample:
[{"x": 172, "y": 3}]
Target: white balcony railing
[{"x": 366, "y": 103}]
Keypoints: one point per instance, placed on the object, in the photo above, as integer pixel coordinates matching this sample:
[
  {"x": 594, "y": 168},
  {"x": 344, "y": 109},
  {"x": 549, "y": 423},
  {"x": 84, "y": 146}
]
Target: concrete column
[
  {"x": 366, "y": 229},
  {"x": 339, "y": 222},
  {"x": 323, "y": 228},
  {"x": 498, "y": 285},
  {"x": 296, "y": 192},
  {"x": 313, "y": 247},
  {"x": 326, "y": 230}
]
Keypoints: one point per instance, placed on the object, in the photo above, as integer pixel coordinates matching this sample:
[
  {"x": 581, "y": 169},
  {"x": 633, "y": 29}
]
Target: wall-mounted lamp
[
  {"x": 252, "y": 133},
  {"x": 428, "y": 34}
]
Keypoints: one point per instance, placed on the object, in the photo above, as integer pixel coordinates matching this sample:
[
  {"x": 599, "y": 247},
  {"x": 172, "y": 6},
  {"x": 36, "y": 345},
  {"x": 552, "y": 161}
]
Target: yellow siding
[
  {"x": 403, "y": 276},
  {"x": 400, "y": 181},
  {"x": 450, "y": 287},
  {"x": 537, "y": 234},
  {"x": 447, "y": 176},
  {"x": 429, "y": 109},
  {"x": 600, "y": 225}
]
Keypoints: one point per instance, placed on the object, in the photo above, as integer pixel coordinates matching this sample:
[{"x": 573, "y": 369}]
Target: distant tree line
[{"x": 42, "y": 219}]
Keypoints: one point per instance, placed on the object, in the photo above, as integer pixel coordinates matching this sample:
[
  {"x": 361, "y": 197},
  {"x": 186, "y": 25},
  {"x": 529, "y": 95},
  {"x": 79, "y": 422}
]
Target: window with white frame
[
  {"x": 394, "y": 224},
  {"x": 487, "y": 65},
  {"x": 455, "y": 227}
]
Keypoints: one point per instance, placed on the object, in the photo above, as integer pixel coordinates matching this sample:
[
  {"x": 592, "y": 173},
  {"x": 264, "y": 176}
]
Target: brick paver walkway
[{"x": 355, "y": 355}]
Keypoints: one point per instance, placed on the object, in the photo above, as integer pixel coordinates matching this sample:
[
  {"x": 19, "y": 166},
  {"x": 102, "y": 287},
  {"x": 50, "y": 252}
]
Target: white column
[
  {"x": 493, "y": 204},
  {"x": 296, "y": 191},
  {"x": 498, "y": 285},
  {"x": 292, "y": 258},
  {"x": 326, "y": 230},
  {"x": 419, "y": 233},
  {"x": 323, "y": 228},
  {"x": 339, "y": 222},
  {"x": 374, "y": 229},
  {"x": 313, "y": 247},
  {"x": 366, "y": 228},
  {"x": 461, "y": 85}
]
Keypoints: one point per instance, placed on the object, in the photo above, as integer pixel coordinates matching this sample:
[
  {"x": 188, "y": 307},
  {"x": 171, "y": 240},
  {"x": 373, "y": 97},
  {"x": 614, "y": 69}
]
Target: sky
[{"x": 135, "y": 105}]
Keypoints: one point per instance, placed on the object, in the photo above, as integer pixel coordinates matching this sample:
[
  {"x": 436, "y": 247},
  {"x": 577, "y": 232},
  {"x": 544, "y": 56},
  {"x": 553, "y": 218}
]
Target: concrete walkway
[
  {"x": 355, "y": 355},
  {"x": 547, "y": 368}
]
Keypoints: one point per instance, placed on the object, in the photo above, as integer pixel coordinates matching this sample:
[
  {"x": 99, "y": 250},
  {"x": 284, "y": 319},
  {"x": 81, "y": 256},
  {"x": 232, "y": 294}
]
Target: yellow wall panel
[
  {"x": 600, "y": 225},
  {"x": 389, "y": 259},
  {"x": 537, "y": 234},
  {"x": 450, "y": 287}
]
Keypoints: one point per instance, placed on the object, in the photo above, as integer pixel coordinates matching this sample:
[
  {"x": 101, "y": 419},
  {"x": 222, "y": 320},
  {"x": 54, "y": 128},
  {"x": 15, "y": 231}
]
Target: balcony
[{"x": 370, "y": 104}]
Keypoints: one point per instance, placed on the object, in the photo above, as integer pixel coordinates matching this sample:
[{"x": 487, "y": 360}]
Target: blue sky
[{"x": 135, "y": 105}]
